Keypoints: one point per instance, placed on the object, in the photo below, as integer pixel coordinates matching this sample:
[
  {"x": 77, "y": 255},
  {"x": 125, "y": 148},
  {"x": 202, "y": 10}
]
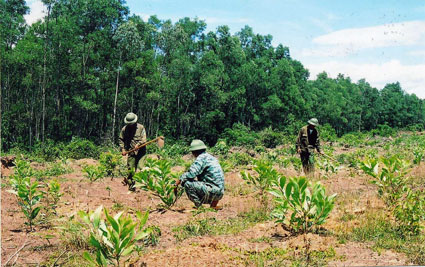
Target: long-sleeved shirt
[
  {"x": 208, "y": 170},
  {"x": 308, "y": 139},
  {"x": 132, "y": 136}
]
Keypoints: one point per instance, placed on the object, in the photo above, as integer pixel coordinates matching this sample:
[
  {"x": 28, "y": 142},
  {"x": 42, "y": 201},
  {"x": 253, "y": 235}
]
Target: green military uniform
[
  {"x": 210, "y": 184},
  {"x": 308, "y": 140},
  {"x": 132, "y": 135}
]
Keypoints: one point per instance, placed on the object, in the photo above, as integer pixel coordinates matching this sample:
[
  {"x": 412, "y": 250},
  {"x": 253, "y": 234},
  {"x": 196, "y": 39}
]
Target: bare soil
[{"x": 356, "y": 195}]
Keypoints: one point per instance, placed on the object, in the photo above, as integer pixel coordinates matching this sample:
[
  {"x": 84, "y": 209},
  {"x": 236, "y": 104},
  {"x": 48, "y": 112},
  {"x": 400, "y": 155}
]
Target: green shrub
[
  {"x": 240, "y": 159},
  {"x": 53, "y": 195},
  {"x": 270, "y": 138},
  {"x": 80, "y": 148},
  {"x": 157, "y": 178},
  {"x": 384, "y": 130},
  {"x": 113, "y": 238},
  {"x": 264, "y": 179},
  {"x": 309, "y": 206},
  {"x": 327, "y": 133},
  {"x": 93, "y": 172},
  {"x": 406, "y": 204},
  {"x": 240, "y": 135},
  {"x": 28, "y": 196},
  {"x": 220, "y": 148},
  {"x": 109, "y": 162}
]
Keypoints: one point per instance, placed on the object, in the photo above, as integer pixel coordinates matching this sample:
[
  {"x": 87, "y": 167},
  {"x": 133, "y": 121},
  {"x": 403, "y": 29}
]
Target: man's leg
[
  {"x": 305, "y": 157},
  {"x": 196, "y": 192},
  {"x": 131, "y": 165}
]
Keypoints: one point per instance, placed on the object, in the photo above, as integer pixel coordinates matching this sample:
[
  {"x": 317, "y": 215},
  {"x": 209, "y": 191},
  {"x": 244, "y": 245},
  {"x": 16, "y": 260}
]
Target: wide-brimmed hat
[
  {"x": 197, "y": 145},
  {"x": 313, "y": 121},
  {"x": 130, "y": 118}
]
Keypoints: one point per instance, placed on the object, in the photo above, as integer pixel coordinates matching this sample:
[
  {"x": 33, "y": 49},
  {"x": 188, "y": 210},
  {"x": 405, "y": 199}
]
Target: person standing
[
  {"x": 209, "y": 186},
  {"x": 308, "y": 140},
  {"x": 132, "y": 135}
]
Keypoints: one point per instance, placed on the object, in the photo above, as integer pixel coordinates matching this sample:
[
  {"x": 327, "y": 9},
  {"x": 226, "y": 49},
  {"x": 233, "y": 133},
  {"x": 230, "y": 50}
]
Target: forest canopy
[{"x": 78, "y": 72}]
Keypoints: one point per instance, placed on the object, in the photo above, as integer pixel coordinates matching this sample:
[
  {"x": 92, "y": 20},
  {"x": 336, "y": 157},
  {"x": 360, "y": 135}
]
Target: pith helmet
[
  {"x": 314, "y": 122},
  {"x": 130, "y": 118},
  {"x": 197, "y": 145}
]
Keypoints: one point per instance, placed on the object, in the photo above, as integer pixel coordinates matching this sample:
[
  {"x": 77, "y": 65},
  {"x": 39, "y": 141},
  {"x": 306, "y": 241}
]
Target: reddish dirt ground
[{"x": 222, "y": 250}]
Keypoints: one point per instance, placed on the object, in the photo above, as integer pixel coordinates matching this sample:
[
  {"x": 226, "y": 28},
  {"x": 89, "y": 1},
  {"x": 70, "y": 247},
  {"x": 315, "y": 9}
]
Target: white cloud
[
  {"x": 349, "y": 41},
  {"x": 420, "y": 53},
  {"x": 411, "y": 77},
  {"x": 37, "y": 10}
]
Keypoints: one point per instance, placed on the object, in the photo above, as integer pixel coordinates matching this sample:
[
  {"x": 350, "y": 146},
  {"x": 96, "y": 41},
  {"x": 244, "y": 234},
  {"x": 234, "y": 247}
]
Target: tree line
[{"x": 89, "y": 62}]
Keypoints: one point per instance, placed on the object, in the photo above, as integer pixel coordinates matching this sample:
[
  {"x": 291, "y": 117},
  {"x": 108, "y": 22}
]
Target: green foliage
[
  {"x": 418, "y": 156},
  {"x": 240, "y": 159},
  {"x": 327, "y": 133},
  {"x": 29, "y": 196},
  {"x": 328, "y": 166},
  {"x": 94, "y": 172},
  {"x": 384, "y": 130},
  {"x": 309, "y": 206},
  {"x": 390, "y": 179},
  {"x": 53, "y": 194},
  {"x": 157, "y": 178},
  {"x": 270, "y": 138},
  {"x": 109, "y": 162},
  {"x": 220, "y": 148},
  {"x": 407, "y": 204},
  {"x": 263, "y": 180},
  {"x": 80, "y": 148},
  {"x": 114, "y": 238},
  {"x": 240, "y": 135}
]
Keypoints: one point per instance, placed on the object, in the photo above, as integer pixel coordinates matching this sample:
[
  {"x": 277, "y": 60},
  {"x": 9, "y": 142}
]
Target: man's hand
[
  {"x": 123, "y": 152},
  {"x": 298, "y": 150},
  {"x": 176, "y": 186}
]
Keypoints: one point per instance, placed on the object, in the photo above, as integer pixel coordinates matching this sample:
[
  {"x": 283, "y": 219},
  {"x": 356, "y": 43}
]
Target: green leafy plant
[
  {"x": 327, "y": 166},
  {"x": 158, "y": 179},
  {"x": 53, "y": 195},
  {"x": 308, "y": 206},
  {"x": 407, "y": 205},
  {"x": 28, "y": 196},
  {"x": 114, "y": 238},
  {"x": 94, "y": 173},
  {"x": 264, "y": 179},
  {"x": 390, "y": 178},
  {"x": 109, "y": 162},
  {"x": 418, "y": 156}
]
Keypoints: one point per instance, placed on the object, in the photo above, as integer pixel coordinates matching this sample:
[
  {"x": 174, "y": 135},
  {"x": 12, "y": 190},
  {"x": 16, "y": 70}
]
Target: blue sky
[{"x": 381, "y": 41}]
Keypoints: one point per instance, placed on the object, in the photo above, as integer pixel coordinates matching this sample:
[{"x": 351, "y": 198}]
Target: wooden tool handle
[{"x": 144, "y": 144}]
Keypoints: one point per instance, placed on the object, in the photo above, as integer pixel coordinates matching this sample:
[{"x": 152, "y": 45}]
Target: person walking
[{"x": 308, "y": 140}]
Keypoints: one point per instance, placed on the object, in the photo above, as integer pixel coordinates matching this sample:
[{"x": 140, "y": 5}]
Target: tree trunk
[{"x": 115, "y": 100}]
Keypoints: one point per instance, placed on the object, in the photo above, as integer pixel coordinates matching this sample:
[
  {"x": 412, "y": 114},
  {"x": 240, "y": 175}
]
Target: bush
[
  {"x": 266, "y": 175},
  {"x": 158, "y": 179},
  {"x": 28, "y": 196},
  {"x": 270, "y": 138},
  {"x": 113, "y": 238},
  {"x": 80, "y": 148},
  {"x": 109, "y": 162},
  {"x": 240, "y": 135},
  {"x": 309, "y": 206},
  {"x": 327, "y": 133},
  {"x": 384, "y": 130},
  {"x": 94, "y": 173}
]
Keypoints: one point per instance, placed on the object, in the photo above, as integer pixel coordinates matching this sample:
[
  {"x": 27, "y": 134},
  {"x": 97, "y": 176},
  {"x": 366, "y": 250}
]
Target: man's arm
[
  {"x": 298, "y": 144},
  {"x": 121, "y": 141},
  {"x": 195, "y": 169},
  {"x": 140, "y": 136},
  {"x": 317, "y": 145}
]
